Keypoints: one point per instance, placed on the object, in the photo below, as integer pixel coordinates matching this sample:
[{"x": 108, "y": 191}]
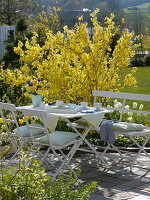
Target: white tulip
[
  {"x": 134, "y": 105},
  {"x": 4, "y": 134},
  {"x": 115, "y": 101},
  {"x": 120, "y": 104},
  {"x": 127, "y": 107},
  {"x": 130, "y": 113},
  {"x": 141, "y": 106},
  {"x": 116, "y": 106},
  {"x": 130, "y": 119}
]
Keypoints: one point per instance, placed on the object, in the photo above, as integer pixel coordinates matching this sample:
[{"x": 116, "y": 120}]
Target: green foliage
[
  {"x": 126, "y": 142},
  {"x": 21, "y": 25},
  {"x": 137, "y": 62},
  {"x": 29, "y": 181},
  {"x": 121, "y": 141},
  {"x": 115, "y": 39},
  {"x": 10, "y": 58},
  {"x": 23, "y": 182},
  {"x": 69, "y": 188},
  {"x": 10, "y": 95},
  {"x": 147, "y": 60}
]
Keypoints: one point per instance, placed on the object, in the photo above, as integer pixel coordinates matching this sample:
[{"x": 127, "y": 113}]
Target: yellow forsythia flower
[
  {"x": 21, "y": 121},
  {"x": 3, "y": 127}
]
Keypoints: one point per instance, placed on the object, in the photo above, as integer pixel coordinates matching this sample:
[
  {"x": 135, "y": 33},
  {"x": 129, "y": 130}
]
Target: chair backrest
[
  {"x": 124, "y": 96},
  {"x": 41, "y": 117},
  {"x": 8, "y": 114}
]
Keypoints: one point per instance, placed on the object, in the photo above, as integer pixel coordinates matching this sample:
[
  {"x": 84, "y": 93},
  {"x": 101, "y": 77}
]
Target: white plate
[{"x": 65, "y": 110}]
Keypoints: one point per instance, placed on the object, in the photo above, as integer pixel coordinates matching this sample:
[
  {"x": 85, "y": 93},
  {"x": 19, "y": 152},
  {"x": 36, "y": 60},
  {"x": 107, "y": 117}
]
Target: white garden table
[{"x": 92, "y": 117}]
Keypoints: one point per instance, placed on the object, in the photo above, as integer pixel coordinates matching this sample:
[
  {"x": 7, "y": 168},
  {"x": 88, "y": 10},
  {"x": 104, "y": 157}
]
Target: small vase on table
[{"x": 36, "y": 100}]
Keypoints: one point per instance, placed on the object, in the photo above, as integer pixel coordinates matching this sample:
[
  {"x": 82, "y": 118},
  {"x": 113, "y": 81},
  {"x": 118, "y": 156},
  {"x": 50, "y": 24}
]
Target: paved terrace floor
[{"x": 116, "y": 182}]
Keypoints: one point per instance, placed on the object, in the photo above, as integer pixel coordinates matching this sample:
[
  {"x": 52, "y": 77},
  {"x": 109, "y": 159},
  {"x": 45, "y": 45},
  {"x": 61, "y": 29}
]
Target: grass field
[
  {"x": 143, "y": 86},
  {"x": 144, "y": 6},
  {"x": 143, "y": 77}
]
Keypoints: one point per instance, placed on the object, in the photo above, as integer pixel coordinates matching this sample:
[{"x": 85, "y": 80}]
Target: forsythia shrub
[{"x": 73, "y": 63}]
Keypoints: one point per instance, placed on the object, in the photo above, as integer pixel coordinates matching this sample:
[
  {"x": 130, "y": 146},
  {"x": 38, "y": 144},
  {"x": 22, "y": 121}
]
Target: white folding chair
[
  {"x": 19, "y": 133},
  {"x": 55, "y": 141},
  {"x": 130, "y": 133}
]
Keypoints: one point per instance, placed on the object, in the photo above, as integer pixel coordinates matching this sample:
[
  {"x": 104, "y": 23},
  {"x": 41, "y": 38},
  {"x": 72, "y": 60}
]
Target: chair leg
[
  {"x": 65, "y": 162},
  {"x": 17, "y": 152},
  {"x": 43, "y": 156},
  {"x": 111, "y": 147},
  {"x": 140, "y": 151}
]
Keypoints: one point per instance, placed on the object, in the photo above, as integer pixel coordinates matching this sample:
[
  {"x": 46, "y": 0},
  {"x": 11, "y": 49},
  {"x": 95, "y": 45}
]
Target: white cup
[
  {"x": 72, "y": 105},
  {"x": 97, "y": 106},
  {"x": 83, "y": 104},
  {"x": 59, "y": 103}
]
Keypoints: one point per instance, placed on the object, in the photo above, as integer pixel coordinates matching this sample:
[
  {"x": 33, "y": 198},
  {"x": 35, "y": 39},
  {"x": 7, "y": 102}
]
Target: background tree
[
  {"x": 136, "y": 22},
  {"x": 146, "y": 38},
  {"x": 11, "y": 61},
  {"x": 10, "y": 58},
  {"x": 12, "y": 10},
  {"x": 45, "y": 21}
]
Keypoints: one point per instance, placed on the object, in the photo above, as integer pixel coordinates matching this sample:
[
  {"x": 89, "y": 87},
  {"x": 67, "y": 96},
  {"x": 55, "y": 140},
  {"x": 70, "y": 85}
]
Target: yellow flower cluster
[
  {"x": 146, "y": 40},
  {"x": 1, "y": 120},
  {"x": 74, "y": 64}
]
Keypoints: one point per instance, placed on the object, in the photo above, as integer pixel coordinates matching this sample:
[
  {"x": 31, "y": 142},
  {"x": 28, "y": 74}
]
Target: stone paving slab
[
  {"x": 117, "y": 183},
  {"x": 99, "y": 197}
]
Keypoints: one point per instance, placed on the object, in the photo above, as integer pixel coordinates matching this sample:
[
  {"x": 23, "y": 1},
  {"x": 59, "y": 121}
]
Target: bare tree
[
  {"x": 11, "y": 10},
  {"x": 135, "y": 21}
]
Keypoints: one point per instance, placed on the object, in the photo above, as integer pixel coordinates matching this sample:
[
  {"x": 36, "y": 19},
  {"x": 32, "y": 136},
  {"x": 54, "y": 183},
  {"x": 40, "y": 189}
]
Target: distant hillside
[
  {"x": 130, "y": 3},
  {"x": 80, "y": 4},
  {"x": 144, "y": 6},
  {"x": 91, "y": 4}
]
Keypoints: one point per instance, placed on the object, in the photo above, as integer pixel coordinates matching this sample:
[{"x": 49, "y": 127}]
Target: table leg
[{"x": 83, "y": 139}]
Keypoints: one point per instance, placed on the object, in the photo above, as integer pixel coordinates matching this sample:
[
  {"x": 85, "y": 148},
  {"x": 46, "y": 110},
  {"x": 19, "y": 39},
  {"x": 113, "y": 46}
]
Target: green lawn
[
  {"x": 143, "y": 86},
  {"x": 143, "y": 77},
  {"x": 144, "y": 6}
]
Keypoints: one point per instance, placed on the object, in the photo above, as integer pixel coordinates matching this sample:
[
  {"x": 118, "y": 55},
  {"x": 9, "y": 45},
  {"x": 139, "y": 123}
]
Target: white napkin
[
  {"x": 51, "y": 121},
  {"x": 94, "y": 119}
]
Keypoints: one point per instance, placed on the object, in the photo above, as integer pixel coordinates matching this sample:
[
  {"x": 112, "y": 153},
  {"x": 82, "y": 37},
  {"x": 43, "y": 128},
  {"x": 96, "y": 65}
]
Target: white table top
[{"x": 63, "y": 112}]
